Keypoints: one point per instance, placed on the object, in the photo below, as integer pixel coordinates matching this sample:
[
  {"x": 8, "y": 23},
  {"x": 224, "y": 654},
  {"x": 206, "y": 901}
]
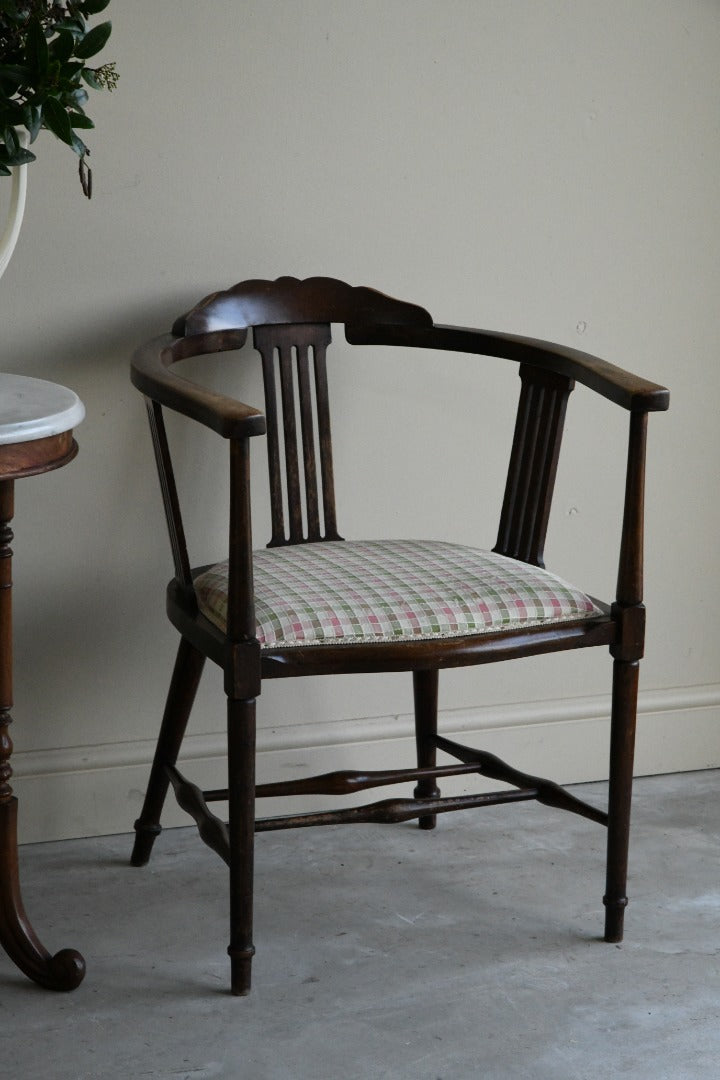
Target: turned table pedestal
[{"x": 36, "y": 422}]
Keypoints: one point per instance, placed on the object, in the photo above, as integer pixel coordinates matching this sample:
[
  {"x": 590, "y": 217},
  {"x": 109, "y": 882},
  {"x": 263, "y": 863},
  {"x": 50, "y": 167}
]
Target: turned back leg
[
  {"x": 425, "y": 693},
  {"x": 181, "y": 695}
]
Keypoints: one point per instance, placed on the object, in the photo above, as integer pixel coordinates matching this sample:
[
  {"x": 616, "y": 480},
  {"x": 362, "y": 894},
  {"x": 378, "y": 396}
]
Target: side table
[{"x": 36, "y": 422}]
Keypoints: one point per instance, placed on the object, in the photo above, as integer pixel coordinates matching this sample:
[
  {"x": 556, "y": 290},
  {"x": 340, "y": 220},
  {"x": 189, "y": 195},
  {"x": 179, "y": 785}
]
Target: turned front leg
[
  {"x": 629, "y": 613},
  {"x": 622, "y": 746},
  {"x": 241, "y": 825}
]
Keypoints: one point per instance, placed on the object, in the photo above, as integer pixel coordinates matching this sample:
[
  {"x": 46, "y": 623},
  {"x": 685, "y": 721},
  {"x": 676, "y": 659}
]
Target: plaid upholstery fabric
[{"x": 391, "y": 590}]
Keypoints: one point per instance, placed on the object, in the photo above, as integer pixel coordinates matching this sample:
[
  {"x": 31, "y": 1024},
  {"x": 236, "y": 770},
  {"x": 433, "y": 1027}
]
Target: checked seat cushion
[{"x": 359, "y": 592}]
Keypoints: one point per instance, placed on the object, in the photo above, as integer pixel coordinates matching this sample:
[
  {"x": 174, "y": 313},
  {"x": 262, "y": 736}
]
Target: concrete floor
[{"x": 384, "y": 953}]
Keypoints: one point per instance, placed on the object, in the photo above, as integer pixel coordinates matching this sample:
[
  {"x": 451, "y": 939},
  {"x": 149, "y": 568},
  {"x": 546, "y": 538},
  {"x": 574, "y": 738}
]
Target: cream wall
[{"x": 539, "y": 166}]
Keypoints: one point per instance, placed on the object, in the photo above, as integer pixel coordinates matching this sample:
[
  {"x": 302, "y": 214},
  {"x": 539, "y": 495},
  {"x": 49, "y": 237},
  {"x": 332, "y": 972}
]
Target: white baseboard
[{"x": 98, "y": 790}]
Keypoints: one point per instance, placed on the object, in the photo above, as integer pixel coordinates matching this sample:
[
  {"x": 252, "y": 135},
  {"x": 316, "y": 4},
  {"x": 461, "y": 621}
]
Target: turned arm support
[
  {"x": 241, "y": 623},
  {"x": 628, "y": 608},
  {"x": 242, "y": 662}
]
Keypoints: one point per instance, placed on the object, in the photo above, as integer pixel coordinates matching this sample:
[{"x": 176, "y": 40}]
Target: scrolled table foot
[
  {"x": 63, "y": 971},
  {"x": 66, "y": 969}
]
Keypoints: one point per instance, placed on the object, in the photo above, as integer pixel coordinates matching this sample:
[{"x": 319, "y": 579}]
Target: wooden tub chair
[{"x": 312, "y": 603}]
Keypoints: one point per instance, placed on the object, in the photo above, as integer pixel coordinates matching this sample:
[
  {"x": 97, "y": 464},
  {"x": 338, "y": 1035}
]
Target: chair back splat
[
  {"x": 291, "y": 331},
  {"x": 300, "y": 350},
  {"x": 533, "y": 464},
  {"x": 306, "y": 605}
]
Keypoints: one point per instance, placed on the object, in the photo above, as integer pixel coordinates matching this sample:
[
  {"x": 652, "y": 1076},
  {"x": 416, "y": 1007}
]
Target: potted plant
[{"x": 45, "y": 75}]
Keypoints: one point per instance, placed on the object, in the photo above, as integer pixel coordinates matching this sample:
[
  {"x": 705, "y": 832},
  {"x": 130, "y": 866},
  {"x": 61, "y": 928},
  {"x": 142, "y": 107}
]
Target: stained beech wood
[
  {"x": 183, "y": 688},
  {"x": 618, "y": 385},
  {"x": 630, "y": 570},
  {"x": 425, "y": 701},
  {"x": 290, "y": 300},
  {"x": 216, "y": 834},
  {"x": 168, "y": 487},
  {"x": 533, "y": 465},
  {"x": 241, "y": 598},
  {"x": 290, "y": 323},
  {"x": 622, "y": 745},
  {"x": 345, "y": 782},
  {"x": 153, "y": 375},
  {"x": 241, "y": 835},
  {"x": 547, "y": 792},
  {"x": 301, "y": 356}
]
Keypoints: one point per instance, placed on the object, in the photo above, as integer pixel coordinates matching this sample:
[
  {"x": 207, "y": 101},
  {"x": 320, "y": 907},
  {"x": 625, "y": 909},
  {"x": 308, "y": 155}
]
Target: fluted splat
[
  {"x": 533, "y": 464},
  {"x": 298, "y": 432}
]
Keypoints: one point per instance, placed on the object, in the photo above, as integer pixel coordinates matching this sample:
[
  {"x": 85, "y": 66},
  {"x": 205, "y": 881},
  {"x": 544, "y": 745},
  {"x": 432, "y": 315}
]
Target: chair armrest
[
  {"x": 620, "y": 386},
  {"x": 152, "y": 374}
]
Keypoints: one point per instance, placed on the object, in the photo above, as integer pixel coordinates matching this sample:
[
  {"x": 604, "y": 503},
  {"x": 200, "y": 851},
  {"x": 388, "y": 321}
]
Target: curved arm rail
[
  {"x": 152, "y": 374},
  {"x": 620, "y": 386},
  {"x": 152, "y": 370}
]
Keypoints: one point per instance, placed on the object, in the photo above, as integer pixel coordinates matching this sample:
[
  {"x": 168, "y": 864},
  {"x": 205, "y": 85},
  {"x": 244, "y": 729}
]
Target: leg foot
[
  {"x": 145, "y": 836},
  {"x": 240, "y": 972},
  {"x": 614, "y": 917},
  {"x": 181, "y": 695},
  {"x": 66, "y": 969}
]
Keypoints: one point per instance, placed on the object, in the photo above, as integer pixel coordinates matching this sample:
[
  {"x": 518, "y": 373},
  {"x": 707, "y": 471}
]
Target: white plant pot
[{"x": 17, "y": 208}]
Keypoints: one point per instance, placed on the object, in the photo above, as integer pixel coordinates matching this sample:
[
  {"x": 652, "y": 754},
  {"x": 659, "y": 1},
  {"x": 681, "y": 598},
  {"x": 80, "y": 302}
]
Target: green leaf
[
  {"x": 11, "y": 152},
  {"x": 79, "y": 120},
  {"x": 38, "y": 99},
  {"x": 20, "y": 157},
  {"x": 37, "y": 47},
  {"x": 75, "y": 26},
  {"x": 11, "y": 140},
  {"x": 12, "y": 114},
  {"x": 16, "y": 74},
  {"x": 63, "y": 46},
  {"x": 70, "y": 73},
  {"x": 32, "y": 119},
  {"x": 56, "y": 120},
  {"x": 94, "y": 41},
  {"x": 88, "y": 75},
  {"x": 93, "y": 7},
  {"x": 79, "y": 146},
  {"x": 45, "y": 49}
]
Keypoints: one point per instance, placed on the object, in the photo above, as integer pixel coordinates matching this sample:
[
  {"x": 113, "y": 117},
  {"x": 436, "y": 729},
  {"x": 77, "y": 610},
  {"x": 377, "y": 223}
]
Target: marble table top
[{"x": 35, "y": 409}]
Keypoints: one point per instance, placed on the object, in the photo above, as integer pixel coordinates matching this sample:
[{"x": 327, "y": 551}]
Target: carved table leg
[{"x": 66, "y": 969}]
